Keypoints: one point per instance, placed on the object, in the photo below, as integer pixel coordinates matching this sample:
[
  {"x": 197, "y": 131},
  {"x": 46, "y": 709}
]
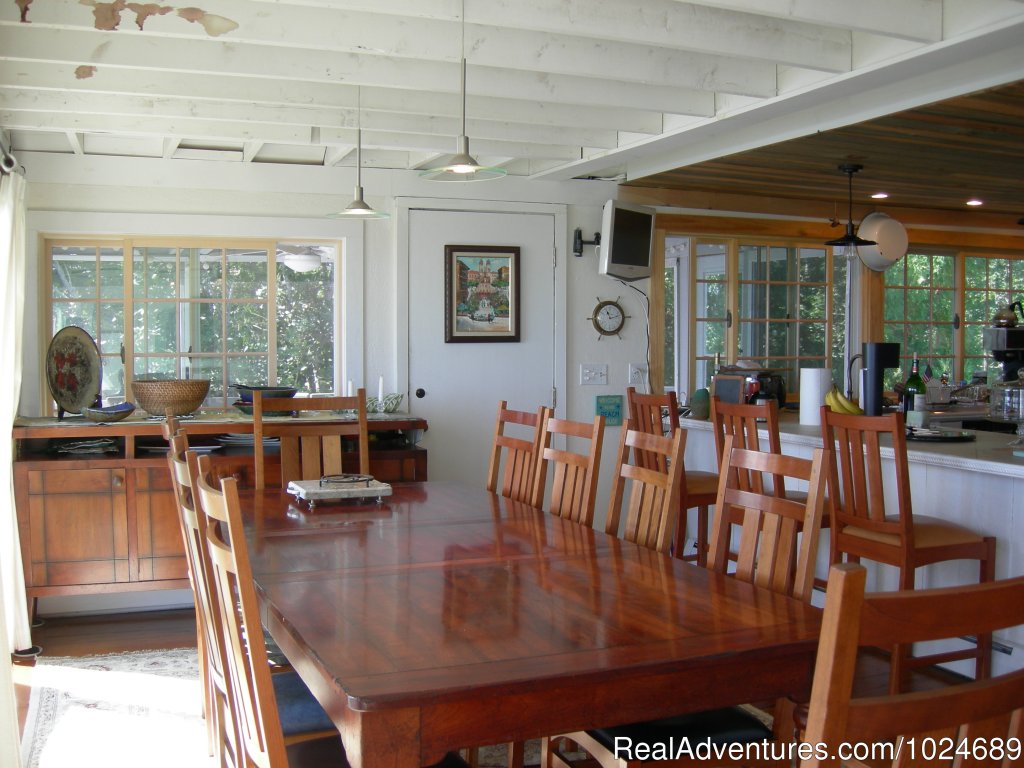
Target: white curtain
[
  {"x": 14, "y": 628},
  {"x": 12, "y": 303}
]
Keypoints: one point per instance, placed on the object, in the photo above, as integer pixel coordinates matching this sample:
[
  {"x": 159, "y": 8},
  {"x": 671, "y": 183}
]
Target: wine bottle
[{"x": 913, "y": 389}]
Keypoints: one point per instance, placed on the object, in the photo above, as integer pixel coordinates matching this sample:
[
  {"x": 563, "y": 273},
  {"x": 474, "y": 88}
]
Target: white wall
[{"x": 95, "y": 195}]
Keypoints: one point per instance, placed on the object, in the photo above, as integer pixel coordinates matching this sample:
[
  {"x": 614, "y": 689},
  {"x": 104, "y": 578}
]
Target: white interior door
[{"x": 456, "y": 386}]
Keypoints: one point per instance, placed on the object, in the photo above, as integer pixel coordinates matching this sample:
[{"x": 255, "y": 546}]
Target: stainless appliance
[{"x": 1006, "y": 345}]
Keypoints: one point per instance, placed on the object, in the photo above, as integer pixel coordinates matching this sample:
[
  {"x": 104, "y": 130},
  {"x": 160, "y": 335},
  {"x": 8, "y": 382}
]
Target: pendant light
[
  {"x": 462, "y": 166},
  {"x": 358, "y": 209},
  {"x": 849, "y": 241}
]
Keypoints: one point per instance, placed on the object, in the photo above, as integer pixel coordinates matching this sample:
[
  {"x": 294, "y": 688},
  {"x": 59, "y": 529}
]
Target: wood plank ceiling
[
  {"x": 934, "y": 157},
  {"x": 556, "y": 89}
]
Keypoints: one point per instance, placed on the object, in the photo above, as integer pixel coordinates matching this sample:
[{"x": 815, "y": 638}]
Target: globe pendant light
[
  {"x": 358, "y": 209},
  {"x": 462, "y": 166},
  {"x": 850, "y": 240}
]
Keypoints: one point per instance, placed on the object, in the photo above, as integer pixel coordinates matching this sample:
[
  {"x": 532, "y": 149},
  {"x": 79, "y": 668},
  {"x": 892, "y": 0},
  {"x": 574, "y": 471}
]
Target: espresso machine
[{"x": 1006, "y": 345}]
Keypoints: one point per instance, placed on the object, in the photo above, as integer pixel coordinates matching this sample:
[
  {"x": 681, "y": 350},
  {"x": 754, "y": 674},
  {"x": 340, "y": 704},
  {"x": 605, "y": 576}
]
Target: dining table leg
[{"x": 382, "y": 739}]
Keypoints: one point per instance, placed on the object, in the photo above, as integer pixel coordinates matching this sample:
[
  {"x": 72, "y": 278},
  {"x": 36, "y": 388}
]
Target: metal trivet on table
[{"x": 338, "y": 488}]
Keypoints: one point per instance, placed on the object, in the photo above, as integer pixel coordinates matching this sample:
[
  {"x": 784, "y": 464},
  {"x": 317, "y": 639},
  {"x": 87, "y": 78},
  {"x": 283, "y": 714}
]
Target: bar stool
[
  {"x": 698, "y": 489},
  {"x": 861, "y": 529}
]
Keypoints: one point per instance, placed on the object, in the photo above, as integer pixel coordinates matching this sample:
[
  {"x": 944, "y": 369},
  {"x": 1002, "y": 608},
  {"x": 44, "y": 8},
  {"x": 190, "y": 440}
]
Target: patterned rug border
[{"x": 45, "y": 702}]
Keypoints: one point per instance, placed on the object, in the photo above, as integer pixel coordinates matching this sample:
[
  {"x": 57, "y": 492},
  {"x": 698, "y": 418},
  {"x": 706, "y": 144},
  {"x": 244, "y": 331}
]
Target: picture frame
[{"x": 481, "y": 293}]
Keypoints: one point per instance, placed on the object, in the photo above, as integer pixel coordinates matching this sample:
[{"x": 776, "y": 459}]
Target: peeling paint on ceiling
[
  {"x": 107, "y": 15},
  {"x": 213, "y": 24},
  {"x": 144, "y": 10},
  {"x": 23, "y": 4},
  {"x": 85, "y": 71}
]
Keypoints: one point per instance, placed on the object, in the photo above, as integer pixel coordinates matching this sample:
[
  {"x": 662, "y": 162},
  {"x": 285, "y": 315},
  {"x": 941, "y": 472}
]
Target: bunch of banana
[{"x": 840, "y": 403}]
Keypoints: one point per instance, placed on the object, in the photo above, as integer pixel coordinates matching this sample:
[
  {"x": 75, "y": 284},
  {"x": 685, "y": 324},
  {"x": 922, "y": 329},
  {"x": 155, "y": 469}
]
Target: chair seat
[
  {"x": 928, "y": 532},
  {"x": 701, "y": 484},
  {"x": 729, "y": 725},
  {"x": 299, "y": 710}
]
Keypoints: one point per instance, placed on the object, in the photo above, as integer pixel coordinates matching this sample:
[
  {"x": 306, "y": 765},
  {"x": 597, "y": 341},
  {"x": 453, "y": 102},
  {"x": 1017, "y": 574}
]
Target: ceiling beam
[{"x": 917, "y": 20}]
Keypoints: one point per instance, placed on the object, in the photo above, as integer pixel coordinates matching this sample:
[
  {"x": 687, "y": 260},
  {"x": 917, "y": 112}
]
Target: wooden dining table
[{"x": 446, "y": 616}]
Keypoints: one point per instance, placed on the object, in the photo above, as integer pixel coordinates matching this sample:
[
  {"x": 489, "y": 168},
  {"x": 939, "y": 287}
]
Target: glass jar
[{"x": 1004, "y": 400}]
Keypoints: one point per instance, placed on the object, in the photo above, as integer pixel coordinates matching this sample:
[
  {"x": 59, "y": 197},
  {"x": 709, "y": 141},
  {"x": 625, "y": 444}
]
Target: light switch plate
[{"x": 593, "y": 374}]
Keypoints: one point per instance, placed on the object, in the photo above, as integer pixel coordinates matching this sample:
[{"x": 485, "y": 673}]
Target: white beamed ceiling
[{"x": 556, "y": 88}]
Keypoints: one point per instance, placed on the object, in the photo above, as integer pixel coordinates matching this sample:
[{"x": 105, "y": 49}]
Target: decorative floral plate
[{"x": 73, "y": 370}]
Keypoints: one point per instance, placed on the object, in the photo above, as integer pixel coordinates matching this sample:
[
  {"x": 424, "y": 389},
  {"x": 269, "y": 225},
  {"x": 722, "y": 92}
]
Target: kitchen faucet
[{"x": 849, "y": 375}]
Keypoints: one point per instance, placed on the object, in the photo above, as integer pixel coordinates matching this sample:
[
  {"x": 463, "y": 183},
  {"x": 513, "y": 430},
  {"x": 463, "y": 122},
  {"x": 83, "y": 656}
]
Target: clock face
[{"x": 609, "y": 318}]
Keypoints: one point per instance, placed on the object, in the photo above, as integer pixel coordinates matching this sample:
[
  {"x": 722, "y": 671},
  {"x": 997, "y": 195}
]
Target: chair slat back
[
  {"x": 647, "y": 414},
  {"x": 309, "y": 450},
  {"x": 770, "y": 524},
  {"x": 855, "y": 474},
  {"x": 520, "y": 452},
  {"x": 653, "y": 501},
  {"x": 574, "y": 475},
  {"x": 971, "y": 714},
  {"x": 741, "y": 421},
  {"x": 247, "y": 673}
]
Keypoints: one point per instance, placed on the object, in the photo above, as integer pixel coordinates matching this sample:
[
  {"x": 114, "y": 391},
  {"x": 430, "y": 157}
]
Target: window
[
  {"x": 920, "y": 307},
  {"x": 937, "y": 304},
  {"x": 228, "y": 311},
  {"x": 764, "y": 304}
]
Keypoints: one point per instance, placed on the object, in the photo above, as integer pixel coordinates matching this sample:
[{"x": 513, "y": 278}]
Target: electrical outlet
[
  {"x": 593, "y": 374},
  {"x": 637, "y": 374}
]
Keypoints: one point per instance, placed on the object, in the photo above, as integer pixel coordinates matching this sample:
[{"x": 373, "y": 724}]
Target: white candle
[
  {"x": 380, "y": 390},
  {"x": 349, "y": 388}
]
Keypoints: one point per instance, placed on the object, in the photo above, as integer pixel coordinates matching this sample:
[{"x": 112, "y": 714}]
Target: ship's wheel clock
[{"x": 609, "y": 318}]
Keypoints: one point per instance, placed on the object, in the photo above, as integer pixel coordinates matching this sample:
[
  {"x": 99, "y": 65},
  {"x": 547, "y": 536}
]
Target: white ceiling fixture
[
  {"x": 358, "y": 208},
  {"x": 462, "y": 166}
]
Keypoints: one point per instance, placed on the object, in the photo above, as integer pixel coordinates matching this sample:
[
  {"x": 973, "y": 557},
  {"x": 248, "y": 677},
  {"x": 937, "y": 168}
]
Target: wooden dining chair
[
  {"x": 653, "y": 502},
  {"x": 309, "y": 449},
  {"x": 863, "y": 527},
  {"x": 574, "y": 475},
  {"x": 184, "y": 470},
  {"x": 697, "y": 489},
  {"x": 769, "y": 536},
  {"x": 973, "y": 723},
  {"x": 743, "y": 421},
  {"x": 514, "y": 477}
]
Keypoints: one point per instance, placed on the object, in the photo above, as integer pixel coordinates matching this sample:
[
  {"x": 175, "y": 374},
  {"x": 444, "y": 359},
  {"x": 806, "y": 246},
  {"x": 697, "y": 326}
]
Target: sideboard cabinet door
[{"x": 79, "y": 527}]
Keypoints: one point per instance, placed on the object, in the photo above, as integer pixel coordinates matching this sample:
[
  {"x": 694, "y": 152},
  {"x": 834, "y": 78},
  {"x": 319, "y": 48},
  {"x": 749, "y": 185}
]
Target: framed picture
[{"x": 481, "y": 293}]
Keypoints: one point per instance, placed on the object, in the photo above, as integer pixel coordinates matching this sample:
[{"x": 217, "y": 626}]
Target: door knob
[{"x": 421, "y": 392}]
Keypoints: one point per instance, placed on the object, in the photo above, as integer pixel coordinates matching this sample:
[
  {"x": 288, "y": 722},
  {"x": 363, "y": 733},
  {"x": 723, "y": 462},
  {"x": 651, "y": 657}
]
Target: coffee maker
[
  {"x": 1006, "y": 345},
  {"x": 878, "y": 355}
]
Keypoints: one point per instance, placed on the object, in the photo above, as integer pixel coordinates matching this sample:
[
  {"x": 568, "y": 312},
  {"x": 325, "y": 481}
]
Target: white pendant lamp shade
[
  {"x": 358, "y": 209},
  {"x": 462, "y": 166},
  {"x": 890, "y": 238}
]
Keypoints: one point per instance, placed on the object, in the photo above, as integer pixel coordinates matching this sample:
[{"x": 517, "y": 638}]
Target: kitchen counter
[
  {"x": 988, "y": 453},
  {"x": 978, "y": 484}
]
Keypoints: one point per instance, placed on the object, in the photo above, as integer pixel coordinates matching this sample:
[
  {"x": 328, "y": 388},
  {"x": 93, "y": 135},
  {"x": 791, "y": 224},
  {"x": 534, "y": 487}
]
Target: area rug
[
  {"x": 116, "y": 711},
  {"x": 124, "y": 710}
]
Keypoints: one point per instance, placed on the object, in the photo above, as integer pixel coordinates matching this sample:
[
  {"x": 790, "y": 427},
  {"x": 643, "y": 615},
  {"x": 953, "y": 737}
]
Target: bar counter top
[{"x": 988, "y": 453}]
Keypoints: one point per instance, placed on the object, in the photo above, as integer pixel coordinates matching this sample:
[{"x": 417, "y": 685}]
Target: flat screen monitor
[{"x": 627, "y": 239}]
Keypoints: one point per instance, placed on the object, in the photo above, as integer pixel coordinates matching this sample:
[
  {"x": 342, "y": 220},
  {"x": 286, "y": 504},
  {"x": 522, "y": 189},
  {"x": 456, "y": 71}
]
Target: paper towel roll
[{"x": 814, "y": 384}]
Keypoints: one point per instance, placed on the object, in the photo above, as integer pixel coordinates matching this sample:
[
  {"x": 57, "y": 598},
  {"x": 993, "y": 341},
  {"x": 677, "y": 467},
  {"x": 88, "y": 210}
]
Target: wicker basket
[{"x": 180, "y": 396}]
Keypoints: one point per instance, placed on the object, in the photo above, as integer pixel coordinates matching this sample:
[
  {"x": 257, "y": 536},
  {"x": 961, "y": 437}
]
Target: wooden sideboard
[{"x": 106, "y": 522}]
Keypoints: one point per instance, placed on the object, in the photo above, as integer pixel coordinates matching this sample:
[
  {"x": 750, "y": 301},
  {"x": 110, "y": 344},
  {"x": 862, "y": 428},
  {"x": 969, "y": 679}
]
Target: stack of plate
[{"x": 244, "y": 439}]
